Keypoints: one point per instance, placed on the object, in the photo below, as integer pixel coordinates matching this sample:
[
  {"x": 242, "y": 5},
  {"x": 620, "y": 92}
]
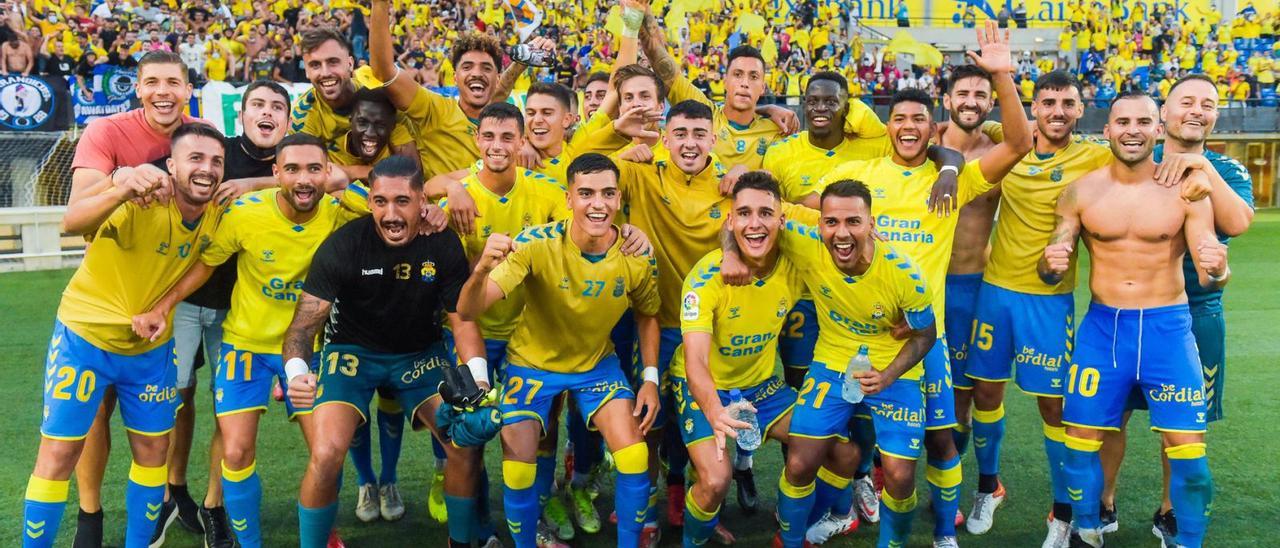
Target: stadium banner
[
  {"x": 110, "y": 92},
  {"x": 1040, "y": 13},
  {"x": 33, "y": 103},
  {"x": 220, "y": 104}
]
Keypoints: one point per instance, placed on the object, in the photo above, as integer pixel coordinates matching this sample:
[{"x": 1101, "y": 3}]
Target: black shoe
[
  {"x": 88, "y": 530},
  {"x": 747, "y": 496},
  {"x": 168, "y": 515},
  {"x": 1077, "y": 542},
  {"x": 188, "y": 510},
  {"x": 217, "y": 528},
  {"x": 1165, "y": 528},
  {"x": 1110, "y": 522}
]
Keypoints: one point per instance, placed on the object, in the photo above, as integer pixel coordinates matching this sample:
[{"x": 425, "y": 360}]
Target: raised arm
[
  {"x": 400, "y": 87},
  {"x": 654, "y": 44},
  {"x": 1066, "y": 229},
  {"x": 481, "y": 291},
  {"x": 996, "y": 60}
]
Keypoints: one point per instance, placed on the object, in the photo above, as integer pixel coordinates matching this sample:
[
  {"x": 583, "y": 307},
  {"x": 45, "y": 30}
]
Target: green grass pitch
[{"x": 1242, "y": 448}]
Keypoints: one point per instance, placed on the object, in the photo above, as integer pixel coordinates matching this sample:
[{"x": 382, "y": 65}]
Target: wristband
[
  {"x": 632, "y": 19},
  {"x": 393, "y": 78},
  {"x": 952, "y": 169},
  {"x": 1218, "y": 279},
  {"x": 651, "y": 374},
  {"x": 479, "y": 369},
  {"x": 295, "y": 367}
]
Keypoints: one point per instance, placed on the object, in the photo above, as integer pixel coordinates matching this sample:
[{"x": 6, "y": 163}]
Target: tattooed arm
[
  {"x": 300, "y": 338},
  {"x": 653, "y": 43},
  {"x": 1066, "y": 229}
]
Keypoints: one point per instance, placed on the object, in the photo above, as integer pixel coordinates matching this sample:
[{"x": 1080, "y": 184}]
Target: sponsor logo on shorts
[
  {"x": 605, "y": 387},
  {"x": 1029, "y": 356},
  {"x": 1168, "y": 393},
  {"x": 155, "y": 394},
  {"x": 894, "y": 413},
  {"x": 421, "y": 367}
]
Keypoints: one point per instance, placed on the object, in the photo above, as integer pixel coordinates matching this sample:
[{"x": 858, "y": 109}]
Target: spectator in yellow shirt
[{"x": 1239, "y": 91}]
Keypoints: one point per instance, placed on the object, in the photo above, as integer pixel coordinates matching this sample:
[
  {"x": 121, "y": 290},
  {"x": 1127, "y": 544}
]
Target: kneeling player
[
  {"x": 730, "y": 342},
  {"x": 862, "y": 288},
  {"x": 385, "y": 286},
  {"x": 577, "y": 283}
]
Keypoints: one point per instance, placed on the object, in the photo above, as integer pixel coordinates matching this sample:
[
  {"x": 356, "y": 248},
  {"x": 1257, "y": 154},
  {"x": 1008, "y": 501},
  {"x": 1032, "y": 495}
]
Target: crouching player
[
  {"x": 861, "y": 288},
  {"x": 730, "y": 342},
  {"x": 382, "y": 286},
  {"x": 575, "y": 280}
]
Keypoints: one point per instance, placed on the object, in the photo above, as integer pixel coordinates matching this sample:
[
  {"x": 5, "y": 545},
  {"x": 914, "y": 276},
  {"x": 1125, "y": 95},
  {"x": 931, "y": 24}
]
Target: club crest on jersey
[
  {"x": 782, "y": 308},
  {"x": 268, "y": 256},
  {"x": 217, "y": 395},
  {"x": 619, "y": 286},
  {"x": 762, "y": 146},
  {"x": 1056, "y": 174},
  {"x": 486, "y": 231},
  {"x": 564, "y": 282},
  {"x": 428, "y": 271},
  {"x": 877, "y": 312},
  {"x": 715, "y": 211},
  {"x": 205, "y": 242},
  {"x": 527, "y": 220},
  {"x": 689, "y": 307},
  {"x": 688, "y": 425}
]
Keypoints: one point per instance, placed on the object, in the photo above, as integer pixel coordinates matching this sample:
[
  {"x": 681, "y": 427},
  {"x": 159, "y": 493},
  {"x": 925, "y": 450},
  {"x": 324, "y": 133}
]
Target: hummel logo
[
  {"x": 370, "y": 271},
  {"x": 980, "y": 442}
]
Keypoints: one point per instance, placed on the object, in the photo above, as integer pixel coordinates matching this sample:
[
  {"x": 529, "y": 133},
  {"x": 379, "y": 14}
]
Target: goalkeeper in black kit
[{"x": 382, "y": 286}]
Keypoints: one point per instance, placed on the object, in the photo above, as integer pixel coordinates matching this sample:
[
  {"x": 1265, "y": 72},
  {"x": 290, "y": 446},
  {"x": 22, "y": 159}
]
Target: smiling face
[
  {"x": 757, "y": 216},
  {"x": 1132, "y": 128},
  {"x": 1056, "y": 112},
  {"x": 1190, "y": 112},
  {"x": 744, "y": 83},
  {"x": 594, "y": 199},
  {"x": 593, "y": 96},
  {"x": 476, "y": 75},
  {"x": 546, "y": 120},
  {"x": 969, "y": 102},
  {"x": 910, "y": 128},
  {"x": 825, "y": 106},
  {"x": 639, "y": 91},
  {"x": 196, "y": 164},
  {"x": 301, "y": 171},
  {"x": 498, "y": 141},
  {"x": 265, "y": 117},
  {"x": 689, "y": 140},
  {"x": 329, "y": 69},
  {"x": 846, "y": 229},
  {"x": 371, "y": 125},
  {"x": 163, "y": 89},
  {"x": 396, "y": 208}
]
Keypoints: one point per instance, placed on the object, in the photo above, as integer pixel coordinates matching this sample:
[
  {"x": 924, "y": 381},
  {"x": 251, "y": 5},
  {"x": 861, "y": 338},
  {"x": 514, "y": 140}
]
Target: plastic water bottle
[
  {"x": 748, "y": 438},
  {"x": 852, "y": 391}
]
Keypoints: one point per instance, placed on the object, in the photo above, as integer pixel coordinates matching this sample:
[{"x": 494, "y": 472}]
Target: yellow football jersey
[
  {"x": 743, "y": 322},
  {"x": 681, "y": 214},
  {"x": 899, "y": 203},
  {"x": 446, "y": 137},
  {"x": 313, "y": 116},
  {"x": 1028, "y": 197},
  {"x": 274, "y": 255},
  {"x": 534, "y": 200},
  {"x": 798, "y": 164},
  {"x": 857, "y": 310},
  {"x": 735, "y": 145},
  {"x": 600, "y": 139},
  {"x": 137, "y": 255},
  {"x": 570, "y": 294}
]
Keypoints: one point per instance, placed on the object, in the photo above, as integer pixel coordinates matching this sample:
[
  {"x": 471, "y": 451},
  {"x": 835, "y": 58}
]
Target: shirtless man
[
  {"x": 969, "y": 100},
  {"x": 16, "y": 56},
  {"x": 1137, "y": 331}
]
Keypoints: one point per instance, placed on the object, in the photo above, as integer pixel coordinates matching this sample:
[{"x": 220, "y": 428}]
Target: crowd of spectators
[{"x": 1112, "y": 48}]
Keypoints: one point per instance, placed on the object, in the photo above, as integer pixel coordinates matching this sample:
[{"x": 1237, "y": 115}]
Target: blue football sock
[
  {"x": 631, "y": 483},
  {"x": 843, "y": 506},
  {"x": 1191, "y": 490},
  {"x": 1055, "y": 448},
  {"x": 42, "y": 510},
  {"x": 242, "y": 495},
  {"x": 794, "y": 505},
  {"x": 390, "y": 439},
  {"x": 699, "y": 524},
  {"x": 864, "y": 436},
  {"x": 988, "y": 435},
  {"x": 895, "y": 519},
  {"x": 314, "y": 525},
  {"x": 461, "y": 528},
  {"x": 142, "y": 501},
  {"x": 944, "y": 477},
  {"x": 1084, "y": 481},
  {"x": 829, "y": 488},
  {"x": 361, "y": 452},
  {"x": 960, "y": 435},
  {"x": 546, "y": 478},
  {"x": 520, "y": 500}
]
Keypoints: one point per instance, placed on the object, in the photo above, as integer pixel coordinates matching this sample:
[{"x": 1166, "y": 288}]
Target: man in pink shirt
[{"x": 129, "y": 139}]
